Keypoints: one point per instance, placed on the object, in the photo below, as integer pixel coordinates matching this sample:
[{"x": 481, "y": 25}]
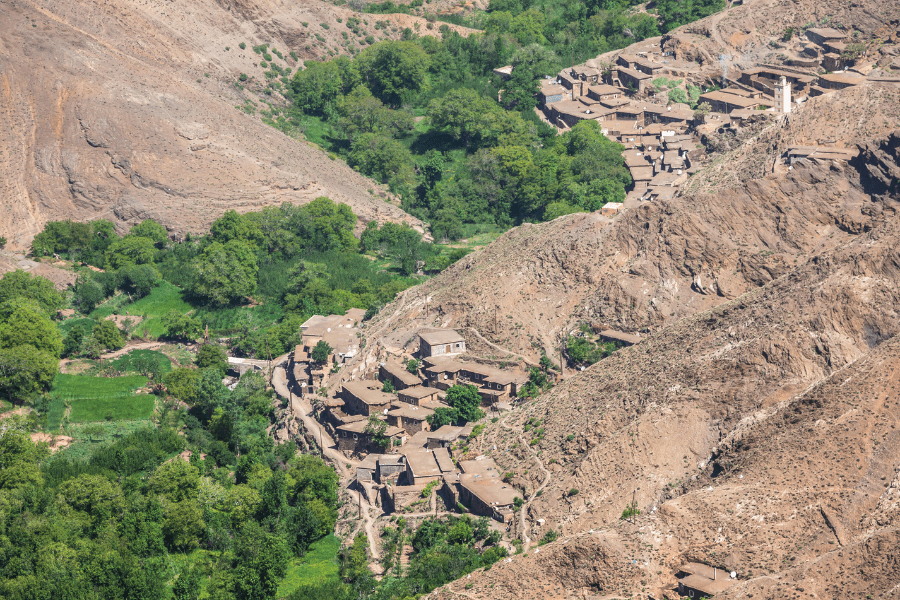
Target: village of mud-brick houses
[
  {"x": 403, "y": 455},
  {"x": 628, "y": 97}
]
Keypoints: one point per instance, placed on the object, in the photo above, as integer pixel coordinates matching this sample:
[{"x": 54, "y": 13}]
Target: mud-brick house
[
  {"x": 411, "y": 418},
  {"x": 365, "y": 398},
  {"x": 441, "y": 342},
  {"x": 483, "y": 490},
  {"x": 824, "y": 35},
  {"x": 603, "y": 91},
  {"x": 419, "y": 395},
  {"x": 398, "y": 375},
  {"x": 696, "y": 580},
  {"x": 354, "y": 438}
]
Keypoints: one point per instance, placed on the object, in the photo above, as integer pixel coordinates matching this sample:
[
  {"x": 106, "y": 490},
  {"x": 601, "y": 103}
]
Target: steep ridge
[
  {"x": 653, "y": 265},
  {"x": 127, "y": 110},
  {"x": 758, "y": 436}
]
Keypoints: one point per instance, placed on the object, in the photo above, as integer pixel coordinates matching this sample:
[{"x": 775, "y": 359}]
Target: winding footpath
[
  {"x": 303, "y": 410},
  {"x": 522, "y": 520}
]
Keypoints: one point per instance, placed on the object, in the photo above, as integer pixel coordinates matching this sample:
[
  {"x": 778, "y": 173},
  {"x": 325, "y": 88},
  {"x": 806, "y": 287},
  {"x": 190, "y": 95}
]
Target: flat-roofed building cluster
[
  {"x": 340, "y": 332},
  {"x": 494, "y": 385}
]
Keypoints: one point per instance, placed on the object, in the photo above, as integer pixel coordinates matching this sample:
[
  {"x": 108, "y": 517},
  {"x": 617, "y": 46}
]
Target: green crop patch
[
  {"x": 100, "y": 398},
  {"x": 316, "y": 566},
  {"x": 120, "y": 408},
  {"x": 85, "y": 387}
]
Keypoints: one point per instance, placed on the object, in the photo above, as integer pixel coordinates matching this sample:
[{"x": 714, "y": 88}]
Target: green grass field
[
  {"x": 319, "y": 564},
  {"x": 225, "y": 321},
  {"x": 100, "y": 398},
  {"x": 84, "y": 387},
  {"x": 121, "y": 408},
  {"x": 152, "y": 307},
  {"x": 55, "y": 414},
  {"x": 87, "y": 436}
]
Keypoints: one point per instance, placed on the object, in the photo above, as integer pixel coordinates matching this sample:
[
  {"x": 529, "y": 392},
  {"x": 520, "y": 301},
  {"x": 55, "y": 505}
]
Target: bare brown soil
[{"x": 128, "y": 110}]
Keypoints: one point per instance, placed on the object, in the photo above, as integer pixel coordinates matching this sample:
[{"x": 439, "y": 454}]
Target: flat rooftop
[
  {"x": 422, "y": 463},
  {"x": 359, "y": 426},
  {"x": 400, "y": 372},
  {"x": 418, "y": 392},
  {"x": 441, "y": 336},
  {"x": 490, "y": 490},
  {"x": 368, "y": 392},
  {"x": 410, "y": 411}
]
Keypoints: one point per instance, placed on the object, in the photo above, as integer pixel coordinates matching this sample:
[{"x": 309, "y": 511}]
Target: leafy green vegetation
[{"x": 118, "y": 408}]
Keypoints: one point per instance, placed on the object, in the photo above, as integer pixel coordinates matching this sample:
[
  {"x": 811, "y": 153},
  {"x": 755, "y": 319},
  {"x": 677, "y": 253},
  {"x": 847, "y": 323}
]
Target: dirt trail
[
  {"x": 547, "y": 476},
  {"x": 303, "y": 410}
]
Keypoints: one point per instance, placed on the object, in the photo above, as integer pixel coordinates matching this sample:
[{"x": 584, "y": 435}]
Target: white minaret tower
[{"x": 783, "y": 96}]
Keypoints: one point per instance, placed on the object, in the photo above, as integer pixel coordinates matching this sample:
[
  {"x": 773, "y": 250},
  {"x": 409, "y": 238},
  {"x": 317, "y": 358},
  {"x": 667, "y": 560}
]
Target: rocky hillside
[
  {"x": 758, "y": 436},
  {"x": 127, "y": 110},
  {"x": 667, "y": 260}
]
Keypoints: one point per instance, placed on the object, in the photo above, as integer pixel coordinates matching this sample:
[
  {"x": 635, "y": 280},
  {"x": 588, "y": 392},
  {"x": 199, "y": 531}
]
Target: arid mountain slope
[
  {"x": 127, "y": 110},
  {"x": 758, "y": 436},
  {"x": 656, "y": 264}
]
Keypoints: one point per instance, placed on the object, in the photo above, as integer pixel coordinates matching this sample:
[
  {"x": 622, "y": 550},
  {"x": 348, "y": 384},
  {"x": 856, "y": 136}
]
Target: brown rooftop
[
  {"x": 447, "y": 433},
  {"x": 853, "y": 79},
  {"x": 400, "y": 372},
  {"x": 634, "y": 74},
  {"x": 445, "y": 463},
  {"x": 441, "y": 336},
  {"x": 827, "y": 33},
  {"x": 422, "y": 463},
  {"x": 409, "y": 411},
  {"x": 419, "y": 391},
  {"x": 490, "y": 490},
  {"x": 602, "y": 89},
  {"x": 359, "y": 426},
  {"x": 368, "y": 392}
]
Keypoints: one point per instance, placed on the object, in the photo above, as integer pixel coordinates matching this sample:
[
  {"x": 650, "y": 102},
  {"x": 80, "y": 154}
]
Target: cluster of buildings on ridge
[
  {"x": 406, "y": 455},
  {"x": 662, "y": 140}
]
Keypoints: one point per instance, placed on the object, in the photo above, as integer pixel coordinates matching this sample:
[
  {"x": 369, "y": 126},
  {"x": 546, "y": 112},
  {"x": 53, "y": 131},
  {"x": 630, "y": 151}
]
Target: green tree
[
  {"x": 181, "y": 383},
  {"x": 382, "y": 158},
  {"x": 178, "y": 325},
  {"x": 24, "y": 322},
  {"x": 362, "y": 113},
  {"x": 529, "y": 63},
  {"x": 183, "y": 524},
  {"x": 108, "y": 335},
  {"x": 25, "y": 371},
  {"x": 678, "y": 95},
  {"x": 466, "y": 401},
  {"x": 376, "y": 428},
  {"x": 226, "y": 273},
  {"x": 88, "y": 294},
  {"x": 394, "y": 70},
  {"x": 211, "y": 356},
  {"x": 130, "y": 250},
  {"x": 187, "y": 586},
  {"x": 20, "y": 460},
  {"x": 234, "y": 227},
  {"x": 464, "y": 114},
  {"x": 151, "y": 230},
  {"x": 325, "y": 225},
  {"x": 95, "y": 496},
  {"x": 261, "y": 561},
  {"x": 176, "y": 480},
  {"x": 321, "y": 351},
  {"x": 19, "y": 284}
]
